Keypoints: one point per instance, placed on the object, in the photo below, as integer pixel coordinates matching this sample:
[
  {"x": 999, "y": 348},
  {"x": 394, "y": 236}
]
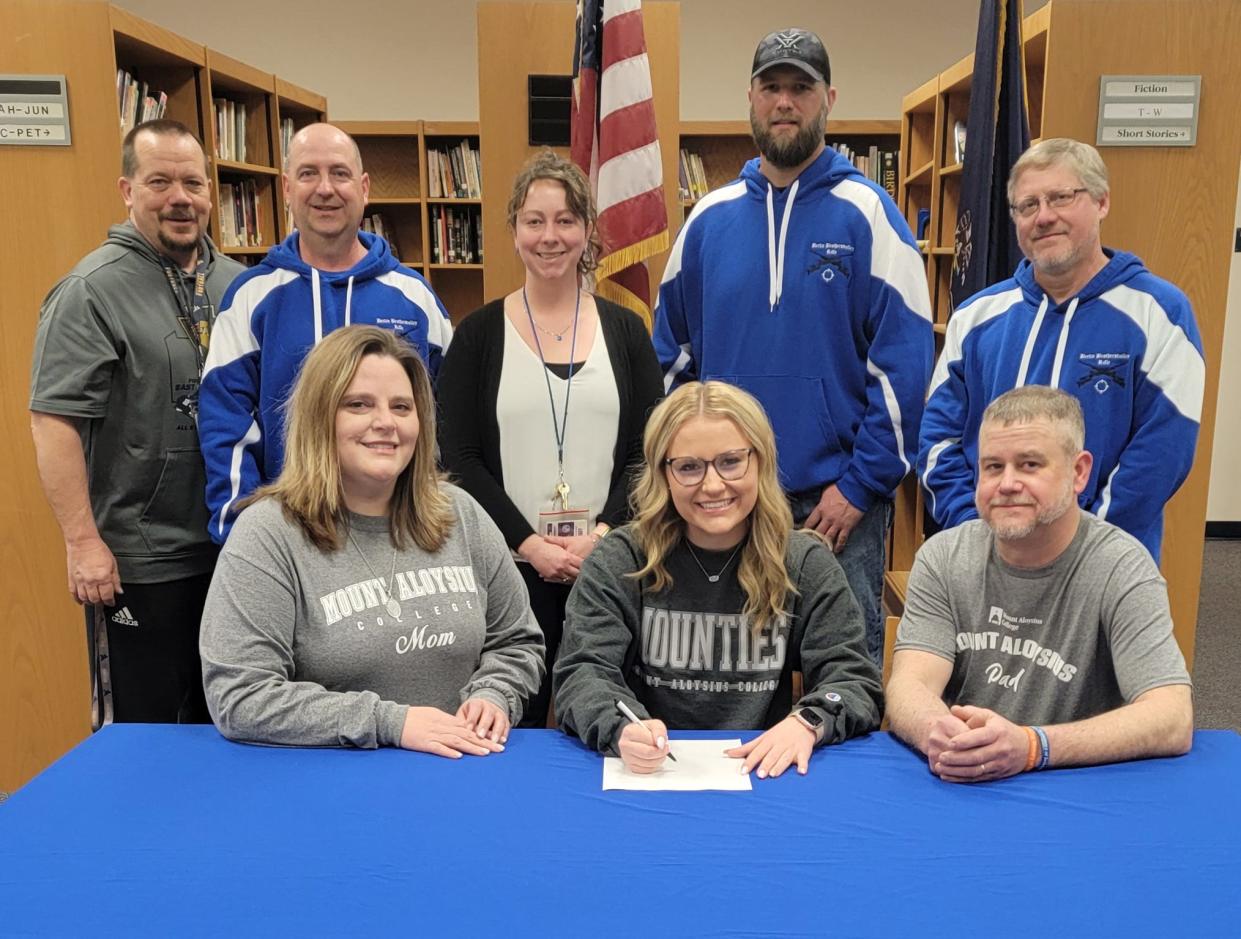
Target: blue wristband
[{"x": 1045, "y": 756}]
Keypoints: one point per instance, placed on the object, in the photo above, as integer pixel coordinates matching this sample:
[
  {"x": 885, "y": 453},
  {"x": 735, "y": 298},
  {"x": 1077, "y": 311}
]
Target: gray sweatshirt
[
  {"x": 690, "y": 658},
  {"x": 299, "y": 646}
]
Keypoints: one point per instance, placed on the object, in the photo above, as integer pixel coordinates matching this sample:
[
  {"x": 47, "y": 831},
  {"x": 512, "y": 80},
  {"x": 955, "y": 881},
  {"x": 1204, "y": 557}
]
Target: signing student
[{"x": 697, "y": 614}]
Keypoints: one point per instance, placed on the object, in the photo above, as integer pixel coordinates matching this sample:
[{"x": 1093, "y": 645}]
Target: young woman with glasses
[{"x": 697, "y": 614}]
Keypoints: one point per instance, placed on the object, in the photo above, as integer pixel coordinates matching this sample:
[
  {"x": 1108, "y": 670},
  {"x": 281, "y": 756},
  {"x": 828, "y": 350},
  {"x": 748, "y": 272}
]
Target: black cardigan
[{"x": 469, "y": 433}]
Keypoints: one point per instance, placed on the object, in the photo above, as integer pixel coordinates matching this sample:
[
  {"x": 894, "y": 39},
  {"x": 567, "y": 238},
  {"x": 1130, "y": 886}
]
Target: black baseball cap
[{"x": 797, "y": 47}]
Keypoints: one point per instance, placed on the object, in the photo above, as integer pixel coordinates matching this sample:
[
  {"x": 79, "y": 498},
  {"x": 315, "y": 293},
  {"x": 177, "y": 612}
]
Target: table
[{"x": 163, "y": 830}]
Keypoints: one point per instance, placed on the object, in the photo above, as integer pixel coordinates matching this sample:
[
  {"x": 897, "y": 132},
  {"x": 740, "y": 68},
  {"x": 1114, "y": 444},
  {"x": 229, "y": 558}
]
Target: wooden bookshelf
[
  {"x": 254, "y": 161},
  {"x": 725, "y": 146},
  {"x": 459, "y": 285},
  {"x": 165, "y": 61},
  {"x": 1067, "y": 46}
]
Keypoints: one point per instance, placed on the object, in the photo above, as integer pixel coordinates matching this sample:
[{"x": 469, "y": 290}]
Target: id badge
[{"x": 565, "y": 523}]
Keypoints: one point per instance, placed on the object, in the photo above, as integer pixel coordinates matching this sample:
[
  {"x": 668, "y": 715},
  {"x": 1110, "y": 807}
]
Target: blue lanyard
[{"x": 559, "y": 427}]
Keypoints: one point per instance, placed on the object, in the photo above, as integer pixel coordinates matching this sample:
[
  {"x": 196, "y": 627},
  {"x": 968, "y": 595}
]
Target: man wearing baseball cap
[{"x": 800, "y": 282}]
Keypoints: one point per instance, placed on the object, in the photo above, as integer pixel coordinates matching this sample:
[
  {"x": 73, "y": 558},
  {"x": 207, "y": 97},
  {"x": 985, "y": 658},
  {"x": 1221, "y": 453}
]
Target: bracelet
[
  {"x": 1032, "y": 755},
  {"x": 596, "y": 536},
  {"x": 1045, "y": 756}
]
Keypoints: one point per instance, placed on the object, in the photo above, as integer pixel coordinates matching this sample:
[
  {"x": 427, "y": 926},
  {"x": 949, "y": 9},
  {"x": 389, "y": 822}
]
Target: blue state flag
[{"x": 997, "y": 132}]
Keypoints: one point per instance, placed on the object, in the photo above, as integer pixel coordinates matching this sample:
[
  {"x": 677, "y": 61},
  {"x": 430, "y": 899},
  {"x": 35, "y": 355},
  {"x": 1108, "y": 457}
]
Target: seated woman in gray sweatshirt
[
  {"x": 697, "y": 613},
  {"x": 361, "y": 601}
]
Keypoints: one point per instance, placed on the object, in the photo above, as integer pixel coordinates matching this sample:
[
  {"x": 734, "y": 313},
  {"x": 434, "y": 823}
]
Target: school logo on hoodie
[
  {"x": 1102, "y": 370},
  {"x": 830, "y": 259}
]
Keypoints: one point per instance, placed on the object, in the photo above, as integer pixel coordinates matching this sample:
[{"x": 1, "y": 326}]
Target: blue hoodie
[
  {"x": 1127, "y": 347},
  {"x": 814, "y": 299},
  {"x": 271, "y": 316}
]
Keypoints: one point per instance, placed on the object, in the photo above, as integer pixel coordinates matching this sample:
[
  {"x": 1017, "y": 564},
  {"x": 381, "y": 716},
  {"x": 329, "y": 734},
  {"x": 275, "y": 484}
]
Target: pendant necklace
[
  {"x": 391, "y": 603},
  {"x": 558, "y": 336},
  {"x": 713, "y": 578}
]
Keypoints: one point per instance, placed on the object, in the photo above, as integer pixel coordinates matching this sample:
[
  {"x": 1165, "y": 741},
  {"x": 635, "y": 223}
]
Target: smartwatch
[{"x": 809, "y": 718}]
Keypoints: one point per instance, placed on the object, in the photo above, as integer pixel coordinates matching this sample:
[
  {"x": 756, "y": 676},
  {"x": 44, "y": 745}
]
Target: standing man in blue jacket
[
  {"x": 325, "y": 275},
  {"x": 1087, "y": 319},
  {"x": 801, "y": 283}
]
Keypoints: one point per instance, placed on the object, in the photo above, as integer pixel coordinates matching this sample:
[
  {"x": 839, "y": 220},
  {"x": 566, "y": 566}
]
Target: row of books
[
  {"x": 455, "y": 172},
  {"x": 241, "y": 215},
  {"x": 137, "y": 102},
  {"x": 879, "y": 166},
  {"x": 692, "y": 178},
  {"x": 287, "y": 130},
  {"x": 377, "y": 224},
  {"x": 230, "y": 130},
  {"x": 456, "y": 235}
]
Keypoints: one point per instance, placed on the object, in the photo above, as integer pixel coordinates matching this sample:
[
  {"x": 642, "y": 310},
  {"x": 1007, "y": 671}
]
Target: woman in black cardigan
[{"x": 543, "y": 398}]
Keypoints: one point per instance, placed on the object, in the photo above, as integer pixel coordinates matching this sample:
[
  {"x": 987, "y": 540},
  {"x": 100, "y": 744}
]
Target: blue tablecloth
[{"x": 160, "y": 830}]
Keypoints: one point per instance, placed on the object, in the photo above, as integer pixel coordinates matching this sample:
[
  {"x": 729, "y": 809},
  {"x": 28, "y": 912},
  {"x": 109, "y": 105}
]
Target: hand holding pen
[{"x": 643, "y": 745}]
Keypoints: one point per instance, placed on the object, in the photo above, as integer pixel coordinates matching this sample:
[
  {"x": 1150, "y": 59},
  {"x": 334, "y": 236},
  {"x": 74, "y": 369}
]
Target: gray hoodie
[{"x": 110, "y": 352}]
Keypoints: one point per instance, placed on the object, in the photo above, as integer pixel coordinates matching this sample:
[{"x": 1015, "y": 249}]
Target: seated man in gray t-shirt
[{"x": 1038, "y": 635}]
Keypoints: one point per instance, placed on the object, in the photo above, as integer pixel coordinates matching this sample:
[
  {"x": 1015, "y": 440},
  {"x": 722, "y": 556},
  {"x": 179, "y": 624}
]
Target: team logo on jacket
[
  {"x": 830, "y": 258},
  {"x": 1101, "y": 370},
  {"x": 405, "y": 329}
]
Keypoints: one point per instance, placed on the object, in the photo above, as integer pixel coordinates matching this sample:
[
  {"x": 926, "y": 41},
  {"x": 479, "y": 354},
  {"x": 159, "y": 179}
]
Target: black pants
[
  {"x": 548, "y": 602},
  {"x": 143, "y": 655}
]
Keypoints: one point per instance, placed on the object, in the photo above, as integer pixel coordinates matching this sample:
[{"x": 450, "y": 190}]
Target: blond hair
[
  {"x": 310, "y": 488},
  {"x": 1080, "y": 158},
  {"x": 657, "y": 526}
]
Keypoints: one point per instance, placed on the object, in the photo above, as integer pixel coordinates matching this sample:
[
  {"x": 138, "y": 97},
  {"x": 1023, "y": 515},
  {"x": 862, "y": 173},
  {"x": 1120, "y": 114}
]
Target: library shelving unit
[
  {"x": 1172, "y": 206},
  {"x": 196, "y": 79},
  {"x": 459, "y": 285},
  {"x": 164, "y": 61},
  {"x": 253, "y": 161},
  {"x": 724, "y": 146}
]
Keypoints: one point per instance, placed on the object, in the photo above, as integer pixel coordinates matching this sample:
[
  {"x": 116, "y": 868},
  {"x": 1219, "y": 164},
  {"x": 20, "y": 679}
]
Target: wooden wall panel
[
  {"x": 57, "y": 208},
  {"x": 520, "y": 39},
  {"x": 1172, "y": 206}
]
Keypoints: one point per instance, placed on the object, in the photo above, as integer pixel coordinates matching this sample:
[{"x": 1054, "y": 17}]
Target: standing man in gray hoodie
[{"x": 114, "y": 394}]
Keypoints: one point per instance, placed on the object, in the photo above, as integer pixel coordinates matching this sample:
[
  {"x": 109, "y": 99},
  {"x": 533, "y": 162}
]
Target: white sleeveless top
[{"x": 527, "y": 438}]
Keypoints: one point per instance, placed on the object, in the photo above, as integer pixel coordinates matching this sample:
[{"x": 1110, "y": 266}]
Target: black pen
[{"x": 633, "y": 718}]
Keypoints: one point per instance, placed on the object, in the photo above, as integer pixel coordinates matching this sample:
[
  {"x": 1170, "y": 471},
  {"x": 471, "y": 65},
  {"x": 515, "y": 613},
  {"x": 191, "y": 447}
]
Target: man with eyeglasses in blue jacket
[{"x": 1089, "y": 320}]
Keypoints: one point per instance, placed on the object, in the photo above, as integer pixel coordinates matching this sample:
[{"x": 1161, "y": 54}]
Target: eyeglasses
[
  {"x": 1059, "y": 199},
  {"x": 690, "y": 470}
]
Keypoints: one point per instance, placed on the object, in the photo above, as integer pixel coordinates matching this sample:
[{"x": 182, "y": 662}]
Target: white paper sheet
[{"x": 701, "y": 764}]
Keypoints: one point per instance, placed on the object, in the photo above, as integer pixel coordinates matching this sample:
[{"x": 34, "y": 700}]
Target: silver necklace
[
  {"x": 714, "y": 578},
  {"x": 391, "y": 603},
  {"x": 558, "y": 336}
]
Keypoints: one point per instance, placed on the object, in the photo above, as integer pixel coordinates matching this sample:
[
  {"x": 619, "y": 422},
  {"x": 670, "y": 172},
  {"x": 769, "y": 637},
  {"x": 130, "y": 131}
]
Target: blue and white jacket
[
  {"x": 1126, "y": 347},
  {"x": 270, "y": 318},
  {"x": 814, "y": 299}
]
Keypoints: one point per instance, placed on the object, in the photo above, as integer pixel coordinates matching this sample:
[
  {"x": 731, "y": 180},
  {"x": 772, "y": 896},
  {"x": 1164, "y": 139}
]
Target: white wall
[
  {"x": 412, "y": 59},
  {"x": 1224, "y": 495}
]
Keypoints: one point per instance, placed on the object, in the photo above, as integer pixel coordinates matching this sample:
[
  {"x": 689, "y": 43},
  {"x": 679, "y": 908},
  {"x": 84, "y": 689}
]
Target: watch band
[{"x": 819, "y": 729}]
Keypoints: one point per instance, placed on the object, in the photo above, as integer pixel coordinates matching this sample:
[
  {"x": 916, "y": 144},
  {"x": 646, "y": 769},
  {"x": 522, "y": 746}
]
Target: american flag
[{"x": 615, "y": 143}]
